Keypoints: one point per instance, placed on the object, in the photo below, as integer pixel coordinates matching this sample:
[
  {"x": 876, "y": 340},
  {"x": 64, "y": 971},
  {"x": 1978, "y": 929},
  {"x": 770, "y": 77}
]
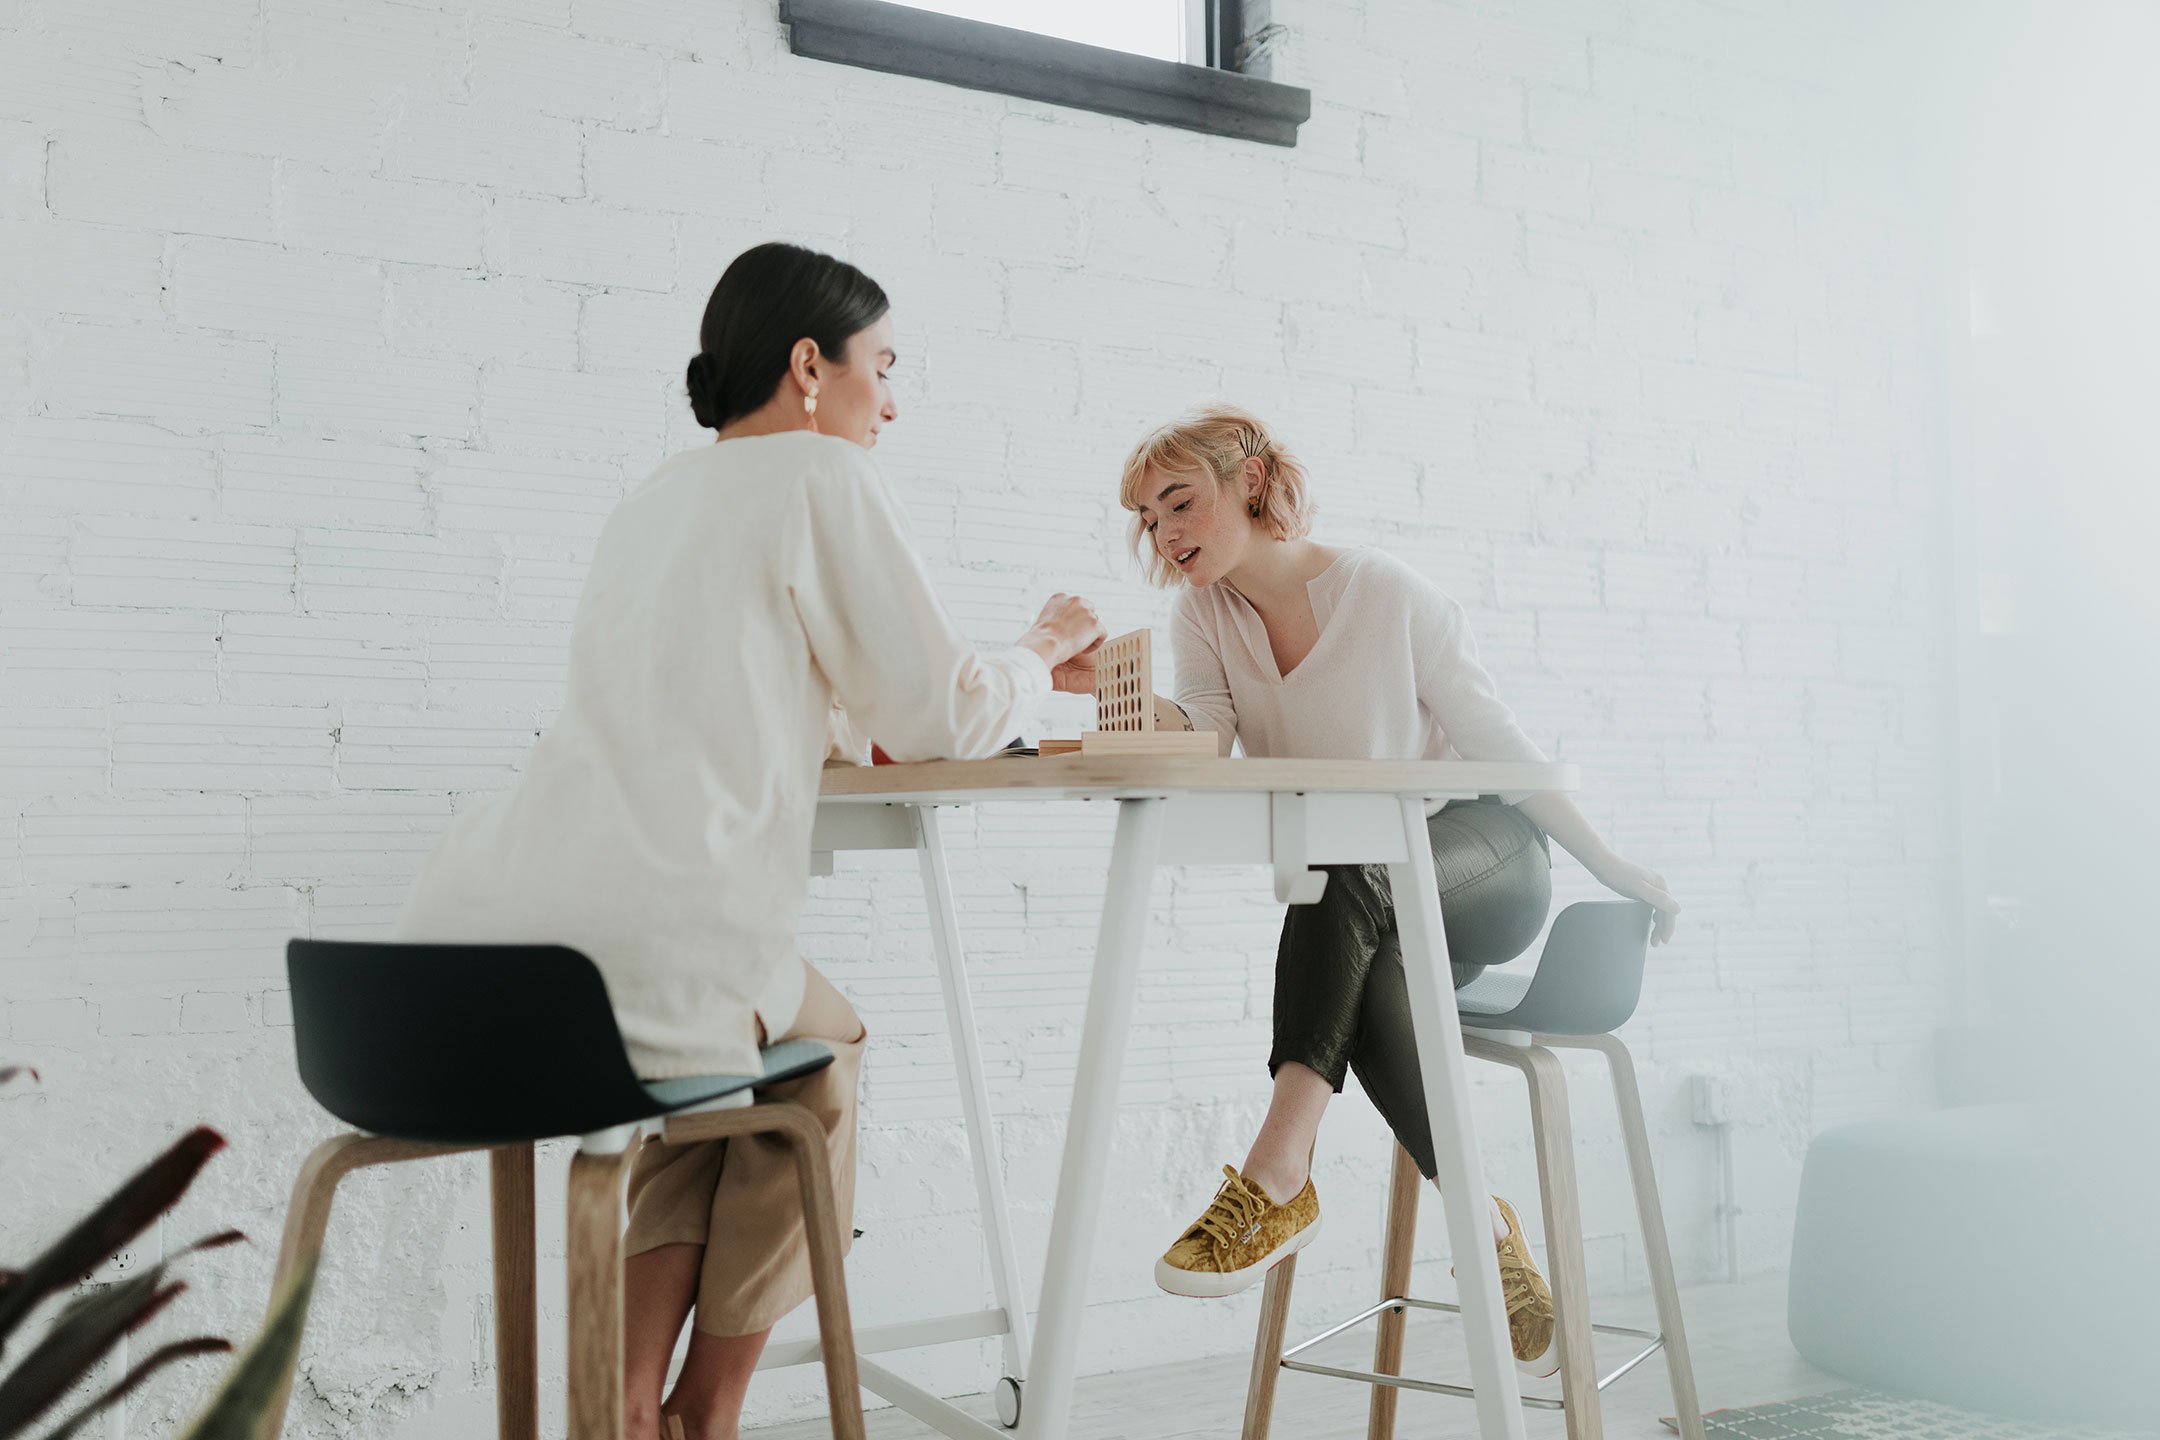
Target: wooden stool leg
[
  {"x": 1568, "y": 1274},
  {"x": 828, "y": 1272},
  {"x": 517, "y": 1314},
  {"x": 1394, "y": 1285},
  {"x": 594, "y": 1241},
  {"x": 1268, "y": 1348},
  {"x": 307, "y": 1220},
  {"x": 1657, "y": 1252}
]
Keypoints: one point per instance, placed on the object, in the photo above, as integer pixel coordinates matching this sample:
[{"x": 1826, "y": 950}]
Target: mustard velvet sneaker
[
  {"x": 1529, "y": 1301},
  {"x": 1240, "y": 1237}
]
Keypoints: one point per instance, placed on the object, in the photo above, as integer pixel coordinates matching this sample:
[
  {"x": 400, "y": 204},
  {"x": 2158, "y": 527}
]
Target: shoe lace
[{"x": 1233, "y": 1216}]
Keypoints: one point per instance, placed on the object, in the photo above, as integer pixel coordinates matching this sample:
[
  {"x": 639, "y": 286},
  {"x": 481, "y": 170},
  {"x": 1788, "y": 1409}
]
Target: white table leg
[
  {"x": 974, "y": 1090},
  {"x": 1447, "y": 1102},
  {"x": 1081, "y": 1174}
]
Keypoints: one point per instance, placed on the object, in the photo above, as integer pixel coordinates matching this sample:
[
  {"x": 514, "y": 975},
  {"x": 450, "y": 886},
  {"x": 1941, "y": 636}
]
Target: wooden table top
[{"x": 1087, "y": 776}]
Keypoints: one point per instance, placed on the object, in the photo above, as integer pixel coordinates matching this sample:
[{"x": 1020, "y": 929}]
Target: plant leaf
[
  {"x": 263, "y": 1372},
  {"x": 159, "y": 1358},
  {"x": 125, "y": 1214},
  {"x": 78, "y": 1339},
  {"x": 9, "y": 1072}
]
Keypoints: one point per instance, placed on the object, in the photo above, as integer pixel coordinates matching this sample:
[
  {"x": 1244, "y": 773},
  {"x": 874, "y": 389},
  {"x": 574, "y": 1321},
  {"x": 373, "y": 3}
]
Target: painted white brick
[
  {"x": 1270, "y": 265},
  {"x": 633, "y": 330},
  {"x": 543, "y": 583},
  {"x": 671, "y": 174},
  {"x": 224, "y": 30},
  {"x": 777, "y": 114},
  {"x": 320, "y": 659},
  {"x": 186, "y": 381},
  {"x": 1333, "y": 342},
  {"x": 490, "y": 146},
  {"x": 986, "y": 222},
  {"x": 358, "y": 572},
  {"x": 267, "y": 290},
  {"x": 388, "y": 220},
  {"x": 229, "y": 748},
  {"x": 126, "y": 1014},
  {"x": 1066, "y": 152},
  {"x": 62, "y": 267},
  {"x": 174, "y": 934},
  {"x": 300, "y": 839},
  {"x": 516, "y": 495},
  {"x": 154, "y": 186},
  {"x": 66, "y": 656},
  {"x": 414, "y": 45},
  {"x": 358, "y": 912},
  {"x": 365, "y": 391},
  {"x": 46, "y": 77},
  {"x": 500, "y": 667},
  {"x": 111, "y": 467},
  {"x": 1456, "y": 101},
  {"x": 1347, "y": 208},
  {"x": 1641, "y": 79},
  {"x": 538, "y": 68},
  {"x": 581, "y": 244},
  {"x": 1456, "y": 361},
  {"x": 53, "y": 749},
  {"x": 22, "y": 171},
  {"x": 325, "y": 114},
  {"x": 455, "y": 314},
  {"x": 292, "y": 480},
  {"x": 198, "y": 564},
  {"x": 33, "y": 557},
  {"x": 1521, "y": 440},
  {"x": 1576, "y": 124},
  {"x": 81, "y": 841},
  {"x": 679, "y": 25},
  {"x": 570, "y": 412},
  {"x": 381, "y": 748}
]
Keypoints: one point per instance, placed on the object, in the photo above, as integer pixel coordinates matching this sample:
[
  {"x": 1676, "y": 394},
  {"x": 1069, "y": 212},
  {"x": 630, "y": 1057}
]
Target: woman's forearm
[{"x": 1560, "y": 817}]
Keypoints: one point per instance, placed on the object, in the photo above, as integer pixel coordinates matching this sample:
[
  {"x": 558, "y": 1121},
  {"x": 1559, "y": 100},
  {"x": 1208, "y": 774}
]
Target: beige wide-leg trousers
[{"x": 739, "y": 1198}]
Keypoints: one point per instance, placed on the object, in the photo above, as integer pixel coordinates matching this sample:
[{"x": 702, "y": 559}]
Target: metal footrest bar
[{"x": 1436, "y": 1387}]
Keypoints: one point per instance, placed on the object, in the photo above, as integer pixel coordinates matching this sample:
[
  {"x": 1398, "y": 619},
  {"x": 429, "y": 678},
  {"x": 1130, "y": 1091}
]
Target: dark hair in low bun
[{"x": 771, "y": 296}]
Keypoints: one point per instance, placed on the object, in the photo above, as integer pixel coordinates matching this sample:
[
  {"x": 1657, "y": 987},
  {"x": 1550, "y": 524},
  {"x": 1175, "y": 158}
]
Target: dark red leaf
[
  {"x": 153, "y": 1190},
  {"x": 158, "y": 1359},
  {"x": 78, "y": 1339}
]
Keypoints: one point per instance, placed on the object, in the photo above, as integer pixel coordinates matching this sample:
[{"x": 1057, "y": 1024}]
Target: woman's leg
[
  {"x": 753, "y": 1265},
  {"x": 1321, "y": 964},
  {"x": 659, "y": 1287},
  {"x": 1495, "y": 883}
]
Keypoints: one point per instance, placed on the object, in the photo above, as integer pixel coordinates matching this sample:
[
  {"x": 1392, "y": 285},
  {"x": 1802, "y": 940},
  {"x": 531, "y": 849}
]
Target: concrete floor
[{"x": 1736, "y": 1333}]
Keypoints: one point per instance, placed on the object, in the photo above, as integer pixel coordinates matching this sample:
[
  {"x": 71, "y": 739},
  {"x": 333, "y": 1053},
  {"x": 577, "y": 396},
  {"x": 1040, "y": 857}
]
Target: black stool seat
[
  {"x": 483, "y": 1044},
  {"x": 1587, "y": 982}
]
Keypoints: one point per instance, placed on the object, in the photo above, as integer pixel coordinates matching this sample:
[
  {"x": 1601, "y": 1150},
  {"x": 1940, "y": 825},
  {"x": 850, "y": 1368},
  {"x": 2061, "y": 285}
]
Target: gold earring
[
  {"x": 809, "y": 408},
  {"x": 1252, "y": 507}
]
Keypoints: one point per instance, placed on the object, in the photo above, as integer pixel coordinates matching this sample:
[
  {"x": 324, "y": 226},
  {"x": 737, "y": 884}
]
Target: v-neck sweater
[{"x": 1394, "y": 674}]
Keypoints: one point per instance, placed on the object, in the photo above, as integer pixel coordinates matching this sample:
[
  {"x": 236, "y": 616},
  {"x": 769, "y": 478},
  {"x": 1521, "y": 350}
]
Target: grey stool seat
[
  {"x": 782, "y": 1060},
  {"x": 1586, "y": 985},
  {"x": 1588, "y": 979}
]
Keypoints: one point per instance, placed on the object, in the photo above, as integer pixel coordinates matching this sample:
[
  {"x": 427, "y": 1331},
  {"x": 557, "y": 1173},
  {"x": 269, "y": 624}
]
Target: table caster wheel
[{"x": 1007, "y": 1394}]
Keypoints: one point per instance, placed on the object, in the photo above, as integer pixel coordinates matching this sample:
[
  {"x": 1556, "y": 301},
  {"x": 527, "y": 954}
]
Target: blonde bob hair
[{"x": 1216, "y": 441}]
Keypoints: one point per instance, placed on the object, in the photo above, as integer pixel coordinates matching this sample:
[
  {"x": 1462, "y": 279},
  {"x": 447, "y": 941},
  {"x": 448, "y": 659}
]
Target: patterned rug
[{"x": 1872, "y": 1415}]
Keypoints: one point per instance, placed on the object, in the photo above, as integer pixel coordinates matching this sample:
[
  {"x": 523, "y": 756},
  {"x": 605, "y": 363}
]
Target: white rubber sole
[
  {"x": 1545, "y": 1366},
  {"x": 1214, "y": 1285}
]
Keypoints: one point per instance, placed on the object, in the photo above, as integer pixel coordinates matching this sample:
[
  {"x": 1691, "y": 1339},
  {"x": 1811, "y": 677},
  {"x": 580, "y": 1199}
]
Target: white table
[{"x": 1290, "y": 814}]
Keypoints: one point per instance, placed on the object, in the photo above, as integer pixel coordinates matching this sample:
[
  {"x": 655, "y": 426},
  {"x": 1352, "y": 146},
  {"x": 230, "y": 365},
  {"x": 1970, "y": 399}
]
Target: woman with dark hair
[{"x": 752, "y": 608}]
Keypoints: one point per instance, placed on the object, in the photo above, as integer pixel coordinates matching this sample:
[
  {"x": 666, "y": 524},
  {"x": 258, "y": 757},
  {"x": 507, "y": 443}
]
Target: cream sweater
[
  {"x": 662, "y": 825},
  {"x": 1393, "y": 676}
]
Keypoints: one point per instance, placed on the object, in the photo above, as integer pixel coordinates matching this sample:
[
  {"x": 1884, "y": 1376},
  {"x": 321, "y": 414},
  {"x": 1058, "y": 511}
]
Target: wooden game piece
[{"x": 1125, "y": 708}]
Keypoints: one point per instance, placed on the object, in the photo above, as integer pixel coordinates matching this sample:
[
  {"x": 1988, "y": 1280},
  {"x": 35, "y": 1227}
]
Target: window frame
[{"x": 977, "y": 55}]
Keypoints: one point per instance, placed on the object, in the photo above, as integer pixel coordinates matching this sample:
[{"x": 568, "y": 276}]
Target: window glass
[{"x": 1141, "y": 27}]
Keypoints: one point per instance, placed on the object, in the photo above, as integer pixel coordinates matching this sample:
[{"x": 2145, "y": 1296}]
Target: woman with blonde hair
[
  {"x": 751, "y": 606},
  {"x": 1294, "y": 648}
]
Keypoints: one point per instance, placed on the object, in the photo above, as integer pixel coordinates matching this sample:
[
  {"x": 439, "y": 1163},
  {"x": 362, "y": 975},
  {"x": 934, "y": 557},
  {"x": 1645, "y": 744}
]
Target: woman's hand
[
  {"x": 1077, "y": 675},
  {"x": 1066, "y": 635},
  {"x": 1625, "y": 877}
]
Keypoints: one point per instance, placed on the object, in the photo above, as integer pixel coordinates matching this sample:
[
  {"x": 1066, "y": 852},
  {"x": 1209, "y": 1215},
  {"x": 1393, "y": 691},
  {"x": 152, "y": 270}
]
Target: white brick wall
[{"x": 330, "y": 330}]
